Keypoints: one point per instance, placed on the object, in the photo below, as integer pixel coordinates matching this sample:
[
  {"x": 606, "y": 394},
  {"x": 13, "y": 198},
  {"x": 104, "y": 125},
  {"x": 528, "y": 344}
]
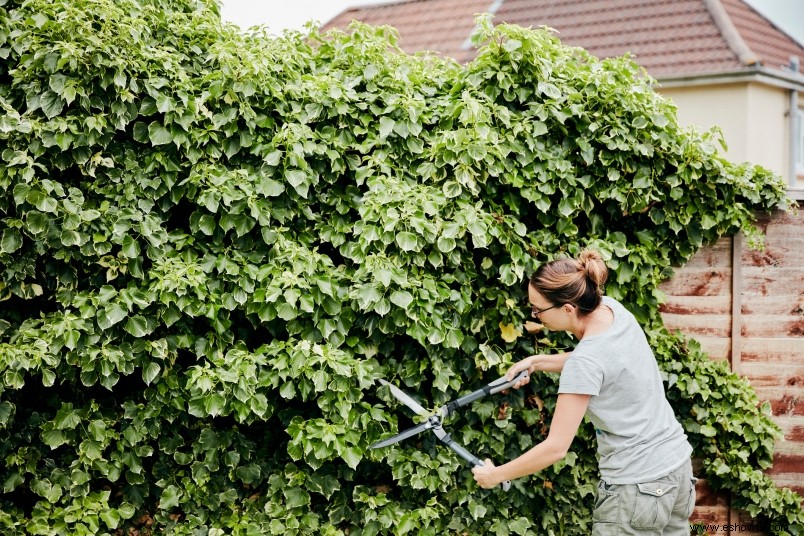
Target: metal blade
[
  {"x": 402, "y": 435},
  {"x": 403, "y": 397}
]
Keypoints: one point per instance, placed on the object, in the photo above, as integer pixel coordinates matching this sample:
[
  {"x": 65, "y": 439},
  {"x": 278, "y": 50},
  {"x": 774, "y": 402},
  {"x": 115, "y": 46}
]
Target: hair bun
[{"x": 594, "y": 267}]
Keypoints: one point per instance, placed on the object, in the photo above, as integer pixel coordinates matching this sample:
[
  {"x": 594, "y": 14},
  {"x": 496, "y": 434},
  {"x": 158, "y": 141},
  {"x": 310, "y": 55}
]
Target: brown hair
[{"x": 578, "y": 282}]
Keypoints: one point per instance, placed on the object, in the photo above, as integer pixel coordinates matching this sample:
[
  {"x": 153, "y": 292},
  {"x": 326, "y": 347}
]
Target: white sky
[{"x": 278, "y": 15}]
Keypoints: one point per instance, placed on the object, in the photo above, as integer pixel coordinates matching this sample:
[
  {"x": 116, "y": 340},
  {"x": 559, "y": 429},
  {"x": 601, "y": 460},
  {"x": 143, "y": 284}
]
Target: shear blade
[
  {"x": 402, "y": 435},
  {"x": 403, "y": 397}
]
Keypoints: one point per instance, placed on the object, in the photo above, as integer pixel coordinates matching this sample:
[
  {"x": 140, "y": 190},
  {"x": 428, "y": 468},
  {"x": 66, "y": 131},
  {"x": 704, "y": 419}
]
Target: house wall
[
  {"x": 753, "y": 117},
  {"x": 747, "y": 307}
]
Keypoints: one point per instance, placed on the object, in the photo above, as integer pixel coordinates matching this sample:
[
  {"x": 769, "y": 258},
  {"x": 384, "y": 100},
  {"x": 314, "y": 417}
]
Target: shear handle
[
  {"x": 500, "y": 384},
  {"x": 470, "y": 458}
]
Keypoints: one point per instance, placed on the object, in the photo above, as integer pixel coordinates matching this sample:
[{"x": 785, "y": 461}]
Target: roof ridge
[{"x": 729, "y": 33}]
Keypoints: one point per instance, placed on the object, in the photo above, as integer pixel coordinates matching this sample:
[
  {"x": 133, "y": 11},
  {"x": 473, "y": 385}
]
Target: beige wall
[{"x": 753, "y": 117}]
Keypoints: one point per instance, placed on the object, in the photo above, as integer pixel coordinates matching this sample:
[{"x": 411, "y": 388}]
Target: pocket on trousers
[
  {"x": 691, "y": 505},
  {"x": 654, "y": 504},
  {"x": 607, "y": 505}
]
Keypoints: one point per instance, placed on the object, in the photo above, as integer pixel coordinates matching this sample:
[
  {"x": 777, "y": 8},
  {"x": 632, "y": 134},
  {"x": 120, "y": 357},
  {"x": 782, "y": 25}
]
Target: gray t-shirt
[{"x": 638, "y": 436}]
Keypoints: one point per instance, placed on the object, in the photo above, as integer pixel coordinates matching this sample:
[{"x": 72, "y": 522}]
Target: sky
[{"x": 279, "y": 15}]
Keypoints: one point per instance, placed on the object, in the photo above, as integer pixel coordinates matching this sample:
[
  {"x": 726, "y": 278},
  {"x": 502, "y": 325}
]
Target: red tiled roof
[
  {"x": 669, "y": 38},
  {"x": 441, "y": 26}
]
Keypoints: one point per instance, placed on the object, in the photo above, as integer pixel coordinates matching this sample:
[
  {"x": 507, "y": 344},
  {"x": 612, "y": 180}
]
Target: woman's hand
[
  {"x": 537, "y": 362},
  {"x": 485, "y": 475},
  {"x": 529, "y": 364}
]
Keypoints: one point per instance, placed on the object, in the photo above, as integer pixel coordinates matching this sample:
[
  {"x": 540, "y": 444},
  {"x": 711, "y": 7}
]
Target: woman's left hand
[{"x": 485, "y": 475}]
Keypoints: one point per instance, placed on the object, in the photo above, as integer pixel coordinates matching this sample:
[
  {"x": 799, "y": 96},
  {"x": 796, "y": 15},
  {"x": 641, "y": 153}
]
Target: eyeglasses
[{"x": 535, "y": 311}]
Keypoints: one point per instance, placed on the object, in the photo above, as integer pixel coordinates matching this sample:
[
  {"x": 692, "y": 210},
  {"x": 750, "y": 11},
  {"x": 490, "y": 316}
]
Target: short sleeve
[{"x": 580, "y": 376}]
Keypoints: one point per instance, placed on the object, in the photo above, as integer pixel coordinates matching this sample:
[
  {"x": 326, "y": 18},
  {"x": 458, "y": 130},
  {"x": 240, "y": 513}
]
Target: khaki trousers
[{"x": 661, "y": 507}]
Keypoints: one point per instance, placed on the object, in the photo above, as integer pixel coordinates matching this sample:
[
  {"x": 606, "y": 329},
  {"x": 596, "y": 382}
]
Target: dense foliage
[{"x": 212, "y": 244}]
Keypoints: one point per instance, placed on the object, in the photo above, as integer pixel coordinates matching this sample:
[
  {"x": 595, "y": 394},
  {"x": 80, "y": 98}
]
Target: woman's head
[{"x": 578, "y": 282}]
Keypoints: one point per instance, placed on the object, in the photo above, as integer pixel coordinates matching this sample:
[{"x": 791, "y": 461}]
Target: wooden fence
[{"x": 747, "y": 307}]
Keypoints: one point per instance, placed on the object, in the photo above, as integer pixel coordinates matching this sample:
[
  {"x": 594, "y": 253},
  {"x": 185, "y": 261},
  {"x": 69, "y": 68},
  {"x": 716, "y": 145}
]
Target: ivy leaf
[
  {"x": 54, "y": 438},
  {"x": 130, "y": 247},
  {"x": 36, "y": 222},
  {"x": 6, "y": 410},
  {"x": 111, "y": 315},
  {"x": 11, "y": 241},
  {"x": 296, "y": 497},
  {"x": 386, "y": 126},
  {"x": 271, "y": 188},
  {"x": 249, "y": 474},
  {"x": 137, "y": 326},
  {"x": 214, "y": 404},
  {"x": 512, "y": 44},
  {"x": 150, "y": 372},
  {"x": 510, "y": 332},
  {"x": 351, "y": 456},
  {"x": 51, "y": 104},
  {"x": 158, "y": 134},
  {"x": 170, "y": 497},
  {"x": 111, "y": 517},
  {"x": 66, "y": 418},
  {"x": 407, "y": 241},
  {"x": 401, "y": 298}
]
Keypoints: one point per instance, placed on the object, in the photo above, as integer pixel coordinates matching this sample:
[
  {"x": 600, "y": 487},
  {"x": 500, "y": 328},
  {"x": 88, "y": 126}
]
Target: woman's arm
[
  {"x": 570, "y": 409},
  {"x": 540, "y": 362}
]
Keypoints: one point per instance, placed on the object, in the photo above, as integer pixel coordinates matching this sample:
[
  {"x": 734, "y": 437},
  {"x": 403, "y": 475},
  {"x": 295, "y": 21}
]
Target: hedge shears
[{"x": 435, "y": 419}]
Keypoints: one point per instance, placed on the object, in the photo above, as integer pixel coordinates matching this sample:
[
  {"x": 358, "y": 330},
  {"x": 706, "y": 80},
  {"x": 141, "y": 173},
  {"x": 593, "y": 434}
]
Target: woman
[{"x": 611, "y": 376}]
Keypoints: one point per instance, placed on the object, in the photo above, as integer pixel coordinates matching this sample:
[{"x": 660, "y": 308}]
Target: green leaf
[
  {"x": 111, "y": 315},
  {"x": 150, "y": 372},
  {"x": 111, "y": 517},
  {"x": 271, "y": 188},
  {"x": 54, "y": 438},
  {"x": 66, "y": 418},
  {"x": 51, "y": 104},
  {"x": 126, "y": 510},
  {"x": 296, "y": 497},
  {"x": 351, "y": 456},
  {"x": 36, "y": 222},
  {"x": 130, "y": 247},
  {"x": 249, "y": 474},
  {"x": 158, "y": 134},
  {"x": 137, "y": 326},
  {"x": 14, "y": 480},
  {"x": 401, "y": 298},
  {"x": 452, "y": 189},
  {"x": 170, "y": 498},
  {"x": 386, "y": 126},
  {"x": 512, "y": 44},
  {"x": 11, "y": 241},
  {"x": 214, "y": 404},
  {"x": 407, "y": 241},
  {"x": 6, "y": 410},
  {"x": 48, "y": 377}
]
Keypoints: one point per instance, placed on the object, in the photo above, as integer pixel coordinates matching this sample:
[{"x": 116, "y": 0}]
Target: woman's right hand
[
  {"x": 529, "y": 364},
  {"x": 537, "y": 362}
]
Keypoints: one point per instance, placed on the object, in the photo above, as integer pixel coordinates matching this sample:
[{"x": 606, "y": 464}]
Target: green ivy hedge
[{"x": 212, "y": 244}]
